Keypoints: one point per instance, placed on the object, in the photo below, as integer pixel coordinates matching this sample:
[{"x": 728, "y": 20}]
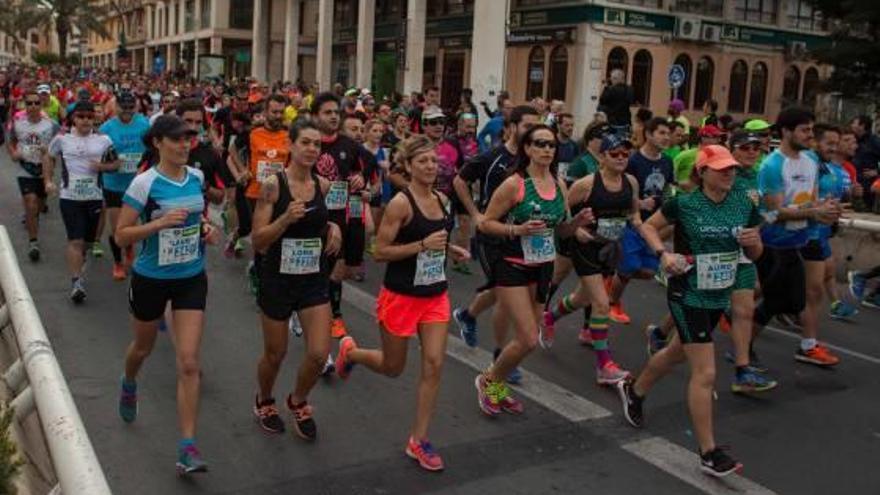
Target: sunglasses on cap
[
  {"x": 544, "y": 144},
  {"x": 435, "y": 121}
]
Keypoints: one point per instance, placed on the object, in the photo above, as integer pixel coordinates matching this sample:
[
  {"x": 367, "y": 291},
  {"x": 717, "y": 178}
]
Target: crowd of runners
[{"x": 734, "y": 218}]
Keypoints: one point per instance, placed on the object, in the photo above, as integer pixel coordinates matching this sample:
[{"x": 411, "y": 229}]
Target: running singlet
[
  {"x": 128, "y": 140},
  {"x": 31, "y": 139},
  {"x": 424, "y": 274},
  {"x": 834, "y": 182},
  {"x": 796, "y": 179},
  {"x": 174, "y": 252},
  {"x": 707, "y": 231},
  {"x": 537, "y": 248},
  {"x": 612, "y": 210},
  {"x": 79, "y": 181},
  {"x": 268, "y": 155}
]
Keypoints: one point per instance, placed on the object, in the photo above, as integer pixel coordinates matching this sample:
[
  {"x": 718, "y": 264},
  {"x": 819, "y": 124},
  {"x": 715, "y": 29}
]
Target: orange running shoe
[
  {"x": 423, "y": 453},
  {"x": 337, "y": 328},
  {"x": 818, "y": 355},
  {"x": 724, "y": 324},
  {"x": 118, "y": 272},
  {"x": 618, "y": 315}
]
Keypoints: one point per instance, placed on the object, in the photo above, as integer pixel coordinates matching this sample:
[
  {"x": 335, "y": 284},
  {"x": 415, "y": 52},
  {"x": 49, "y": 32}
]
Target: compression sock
[
  {"x": 563, "y": 307},
  {"x": 117, "y": 252},
  {"x": 599, "y": 334}
]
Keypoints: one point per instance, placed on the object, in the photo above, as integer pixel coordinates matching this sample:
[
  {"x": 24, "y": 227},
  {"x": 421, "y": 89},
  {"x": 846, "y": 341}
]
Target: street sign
[{"x": 676, "y": 76}]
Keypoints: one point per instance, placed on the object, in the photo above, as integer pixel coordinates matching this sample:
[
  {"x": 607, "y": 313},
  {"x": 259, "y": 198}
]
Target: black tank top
[
  {"x": 612, "y": 210},
  {"x": 422, "y": 275},
  {"x": 300, "y": 249}
]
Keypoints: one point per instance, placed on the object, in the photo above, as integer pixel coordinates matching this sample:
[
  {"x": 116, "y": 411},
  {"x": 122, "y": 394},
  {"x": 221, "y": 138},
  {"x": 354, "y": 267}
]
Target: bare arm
[
  {"x": 635, "y": 218},
  {"x": 463, "y": 191},
  {"x": 129, "y": 231},
  {"x": 265, "y": 231}
]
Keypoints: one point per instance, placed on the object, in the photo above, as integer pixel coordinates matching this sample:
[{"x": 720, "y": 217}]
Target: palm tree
[
  {"x": 16, "y": 20},
  {"x": 87, "y": 16}
]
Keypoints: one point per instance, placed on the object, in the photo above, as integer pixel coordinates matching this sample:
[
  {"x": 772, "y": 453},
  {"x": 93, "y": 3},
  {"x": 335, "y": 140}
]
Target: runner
[
  {"x": 162, "y": 209},
  {"x": 83, "y": 156},
  {"x": 126, "y": 131},
  {"x": 711, "y": 224},
  {"x": 414, "y": 240},
  {"x": 568, "y": 149},
  {"x": 291, "y": 229},
  {"x": 202, "y": 155},
  {"x": 533, "y": 201},
  {"x": 28, "y": 145}
]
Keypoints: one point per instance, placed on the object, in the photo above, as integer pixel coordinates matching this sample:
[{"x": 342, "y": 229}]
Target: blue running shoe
[
  {"x": 748, "y": 380},
  {"x": 755, "y": 363},
  {"x": 128, "y": 405},
  {"x": 656, "y": 339},
  {"x": 856, "y": 285},
  {"x": 515, "y": 376},
  {"x": 189, "y": 460},
  {"x": 467, "y": 326},
  {"x": 842, "y": 310}
]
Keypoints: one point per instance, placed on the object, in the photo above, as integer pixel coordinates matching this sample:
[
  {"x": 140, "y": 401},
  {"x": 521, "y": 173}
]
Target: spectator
[
  {"x": 676, "y": 106},
  {"x": 491, "y": 134},
  {"x": 709, "y": 116},
  {"x": 867, "y": 156},
  {"x": 615, "y": 101}
]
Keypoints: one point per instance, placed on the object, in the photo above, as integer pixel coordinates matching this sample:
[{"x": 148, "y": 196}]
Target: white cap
[{"x": 44, "y": 88}]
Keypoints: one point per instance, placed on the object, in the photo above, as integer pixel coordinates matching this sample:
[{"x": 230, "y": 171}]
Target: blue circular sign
[{"x": 676, "y": 76}]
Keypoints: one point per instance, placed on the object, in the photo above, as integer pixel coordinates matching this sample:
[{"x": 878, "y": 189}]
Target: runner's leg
[{"x": 433, "y": 340}]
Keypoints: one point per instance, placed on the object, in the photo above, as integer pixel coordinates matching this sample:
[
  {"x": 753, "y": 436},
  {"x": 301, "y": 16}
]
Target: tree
[
  {"x": 855, "y": 48},
  {"x": 17, "y": 20},
  {"x": 87, "y": 16}
]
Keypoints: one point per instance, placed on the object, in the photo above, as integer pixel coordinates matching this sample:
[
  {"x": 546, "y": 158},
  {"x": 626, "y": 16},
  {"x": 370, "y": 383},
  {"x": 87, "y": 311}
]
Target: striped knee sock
[
  {"x": 563, "y": 307},
  {"x": 599, "y": 333}
]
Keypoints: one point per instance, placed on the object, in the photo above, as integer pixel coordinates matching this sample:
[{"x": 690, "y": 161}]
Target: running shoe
[
  {"x": 266, "y": 414},
  {"x": 755, "y": 362},
  {"x": 547, "y": 331},
  {"x": 857, "y": 284},
  {"x": 632, "y": 403},
  {"x": 818, "y": 355},
  {"x": 34, "y": 251},
  {"x": 611, "y": 374},
  {"x": 514, "y": 377},
  {"x": 423, "y": 453},
  {"x": 489, "y": 395},
  {"x": 189, "y": 460},
  {"x": 329, "y": 366},
  {"x": 656, "y": 339},
  {"x": 717, "y": 463},
  {"x": 97, "y": 250},
  {"x": 872, "y": 301},
  {"x": 511, "y": 404},
  {"x": 77, "y": 292},
  {"x": 337, "y": 328},
  {"x": 585, "y": 337},
  {"x": 343, "y": 365},
  {"x": 118, "y": 272},
  {"x": 238, "y": 249},
  {"x": 467, "y": 326},
  {"x": 618, "y": 315},
  {"x": 294, "y": 325},
  {"x": 303, "y": 423},
  {"x": 749, "y": 380},
  {"x": 842, "y": 310},
  {"x": 128, "y": 405}
]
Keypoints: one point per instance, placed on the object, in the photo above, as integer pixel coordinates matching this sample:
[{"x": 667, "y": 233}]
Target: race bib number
[
  {"x": 716, "y": 270},
  {"x": 267, "y": 169},
  {"x": 84, "y": 189},
  {"x": 337, "y": 196},
  {"x": 130, "y": 162},
  {"x": 355, "y": 207},
  {"x": 611, "y": 228},
  {"x": 430, "y": 267},
  {"x": 538, "y": 248},
  {"x": 300, "y": 256},
  {"x": 179, "y": 245}
]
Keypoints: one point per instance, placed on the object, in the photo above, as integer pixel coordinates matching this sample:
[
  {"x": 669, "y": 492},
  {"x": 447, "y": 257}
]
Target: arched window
[
  {"x": 791, "y": 85},
  {"x": 558, "y": 73},
  {"x": 811, "y": 86},
  {"x": 684, "y": 92},
  {"x": 705, "y": 80},
  {"x": 758, "y": 91},
  {"x": 617, "y": 59},
  {"x": 535, "y": 83},
  {"x": 736, "y": 96},
  {"x": 641, "y": 79}
]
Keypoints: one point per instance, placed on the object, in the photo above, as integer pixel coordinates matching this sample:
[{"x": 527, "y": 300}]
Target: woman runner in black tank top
[
  {"x": 612, "y": 196},
  {"x": 413, "y": 239},
  {"x": 291, "y": 231}
]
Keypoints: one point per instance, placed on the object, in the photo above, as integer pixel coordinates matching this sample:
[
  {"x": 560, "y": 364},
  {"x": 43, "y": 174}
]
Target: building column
[
  {"x": 291, "y": 41},
  {"x": 169, "y": 18},
  {"x": 197, "y": 18},
  {"x": 415, "y": 45},
  {"x": 324, "y": 54},
  {"x": 219, "y": 15},
  {"x": 216, "y": 45},
  {"x": 148, "y": 26},
  {"x": 364, "y": 61},
  {"x": 260, "y": 45},
  {"x": 588, "y": 75},
  {"x": 489, "y": 50},
  {"x": 148, "y": 60},
  {"x": 169, "y": 59},
  {"x": 181, "y": 16}
]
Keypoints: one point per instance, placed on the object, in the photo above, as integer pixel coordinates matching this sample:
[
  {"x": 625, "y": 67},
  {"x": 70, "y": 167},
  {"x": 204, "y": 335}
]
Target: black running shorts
[{"x": 148, "y": 297}]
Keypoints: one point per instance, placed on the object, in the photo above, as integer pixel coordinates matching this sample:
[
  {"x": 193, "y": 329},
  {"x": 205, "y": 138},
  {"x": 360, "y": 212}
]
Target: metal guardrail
[
  {"x": 73, "y": 456},
  {"x": 860, "y": 224}
]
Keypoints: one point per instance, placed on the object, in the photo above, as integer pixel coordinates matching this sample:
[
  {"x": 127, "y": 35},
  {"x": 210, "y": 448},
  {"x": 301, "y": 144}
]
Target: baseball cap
[
  {"x": 351, "y": 92},
  {"x": 611, "y": 141},
  {"x": 742, "y": 137},
  {"x": 126, "y": 99},
  {"x": 716, "y": 157},
  {"x": 600, "y": 131},
  {"x": 709, "y": 130},
  {"x": 170, "y": 126},
  {"x": 44, "y": 88},
  {"x": 432, "y": 113},
  {"x": 83, "y": 106},
  {"x": 756, "y": 125}
]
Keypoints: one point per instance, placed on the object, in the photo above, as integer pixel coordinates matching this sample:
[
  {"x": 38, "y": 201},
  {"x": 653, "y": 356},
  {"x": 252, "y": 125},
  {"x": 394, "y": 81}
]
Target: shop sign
[{"x": 544, "y": 36}]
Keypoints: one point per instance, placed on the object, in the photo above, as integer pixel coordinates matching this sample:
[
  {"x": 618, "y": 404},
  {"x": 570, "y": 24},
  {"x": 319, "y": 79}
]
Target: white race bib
[
  {"x": 430, "y": 267},
  {"x": 179, "y": 245},
  {"x": 538, "y": 248},
  {"x": 611, "y": 228},
  {"x": 267, "y": 169},
  {"x": 130, "y": 162},
  {"x": 716, "y": 270},
  {"x": 84, "y": 189},
  {"x": 355, "y": 206},
  {"x": 337, "y": 196},
  {"x": 300, "y": 256}
]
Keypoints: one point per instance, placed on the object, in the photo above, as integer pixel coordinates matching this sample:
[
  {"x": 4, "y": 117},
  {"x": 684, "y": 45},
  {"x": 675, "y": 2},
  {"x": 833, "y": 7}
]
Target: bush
[
  {"x": 46, "y": 58},
  {"x": 10, "y": 461}
]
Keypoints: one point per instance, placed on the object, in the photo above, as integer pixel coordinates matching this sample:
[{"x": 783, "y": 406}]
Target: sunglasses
[
  {"x": 84, "y": 116},
  {"x": 32, "y": 103},
  {"x": 619, "y": 154},
  {"x": 544, "y": 144},
  {"x": 435, "y": 121},
  {"x": 748, "y": 147}
]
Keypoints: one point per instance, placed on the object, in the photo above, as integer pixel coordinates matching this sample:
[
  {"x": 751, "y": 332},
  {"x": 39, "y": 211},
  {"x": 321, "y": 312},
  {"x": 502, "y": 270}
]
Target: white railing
[
  {"x": 860, "y": 224},
  {"x": 73, "y": 458}
]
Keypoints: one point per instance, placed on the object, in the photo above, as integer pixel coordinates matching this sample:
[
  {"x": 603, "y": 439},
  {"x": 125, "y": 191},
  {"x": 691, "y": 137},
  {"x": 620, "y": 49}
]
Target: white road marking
[
  {"x": 841, "y": 350},
  {"x": 661, "y": 453}
]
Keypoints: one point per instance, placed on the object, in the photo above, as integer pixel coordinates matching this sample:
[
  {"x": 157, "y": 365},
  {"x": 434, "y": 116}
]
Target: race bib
[
  {"x": 300, "y": 256},
  {"x": 355, "y": 206},
  {"x": 716, "y": 270},
  {"x": 611, "y": 228},
  {"x": 267, "y": 169},
  {"x": 130, "y": 162},
  {"x": 430, "y": 267},
  {"x": 179, "y": 245},
  {"x": 538, "y": 248},
  {"x": 337, "y": 196},
  {"x": 84, "y": 189}
]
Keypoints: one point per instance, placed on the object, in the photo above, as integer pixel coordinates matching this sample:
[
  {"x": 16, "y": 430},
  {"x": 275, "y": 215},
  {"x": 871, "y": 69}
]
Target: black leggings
[{"x": 244, "y": 208}]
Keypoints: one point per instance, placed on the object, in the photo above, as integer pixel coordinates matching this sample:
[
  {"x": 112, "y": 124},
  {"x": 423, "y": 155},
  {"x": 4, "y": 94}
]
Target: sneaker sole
[
  {"x": 821, "y": 364},
  {"x": 738, "y": 468},
  {"x": 609, "y": 382},
  {"x": 424, "y": 466},
  {"x": 184, "y": 470},
  {"x": 342, "y": 358},
  {"x": 740, "y": 389},
  {"x": 487, "y": 412},
  {"x": 624, "y": 402},
  {"x": 298, "y": 432}
]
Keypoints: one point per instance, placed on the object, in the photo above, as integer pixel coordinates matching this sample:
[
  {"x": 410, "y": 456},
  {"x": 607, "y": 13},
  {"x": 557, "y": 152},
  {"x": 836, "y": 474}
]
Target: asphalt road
[{"x": 818, "y": 432}]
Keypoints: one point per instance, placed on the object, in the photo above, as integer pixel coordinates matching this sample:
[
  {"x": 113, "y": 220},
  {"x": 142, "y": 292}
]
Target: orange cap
[{"x": 716, "y": 157}]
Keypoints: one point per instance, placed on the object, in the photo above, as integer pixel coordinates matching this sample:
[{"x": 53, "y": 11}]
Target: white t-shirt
[
  {"x": 79, "y": 181},
  {"x": 31, "y": 138}
]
